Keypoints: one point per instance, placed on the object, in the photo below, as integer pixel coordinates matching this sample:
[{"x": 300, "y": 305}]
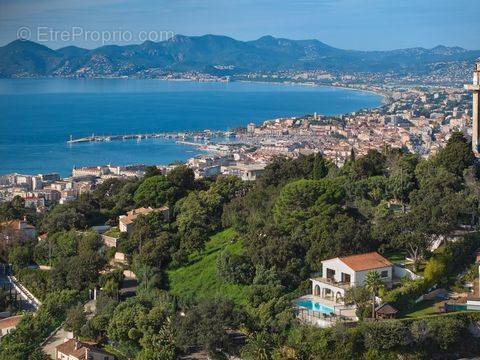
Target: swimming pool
[
  {"x": 314, "y": 306},
  {"x": 462, "y": 307}
]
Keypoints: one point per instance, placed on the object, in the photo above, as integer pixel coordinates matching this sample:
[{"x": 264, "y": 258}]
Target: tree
[
  {"x": 82, "y": 270},
  {"x": 183, "y": 178},
  {"x": 87, "y": 205},
  {"x": 12, "y": 210},
  {"x": 111, "y": 288},
  {"x": 415, "y": 243},
  {"x": 434, "y": 270},
  {"x": 145, "y": 231},
  {"x": 233, "y": 268},
  {"x": 154, "y": 191},
  {"x": 206, "y": 325},
  {"x": 96, "y": 326},
  {"x": 105, "y": 192},
  {"x": 75, "y": 319},
  {"x": 340, "y": 234},
  {"x": 32, "y": 330},
  {"x": 229, "y": 187},
  {"x": 320, "y": 168},
  {"x": 161, "y": 345},
  {"x": 438, "y": 206},
  {"x": 373, "y": 282},
  {"x": 402, "y": 179},
  {"x": 152, "y": 171},
  {"x": 157, "y": 252},
  {"x": 369, "y": 165},
  {"x": 149, "y": 277},
  {"x": 63, "y": 217},
  {"x": 457, "y": 155},
  {"x": 20, "y": 256},
  {"x": 360, "y": 296},
  {"x": 258, "y": 347},
  {"x": 280, "y": 170},
  {"x": 59, "y": 245},
  {"x": 198, "y": 215},
  {"x": 89, "y": 242},
  {"x": 123, "y": 325},
  {"x": 303, "y": 199}
]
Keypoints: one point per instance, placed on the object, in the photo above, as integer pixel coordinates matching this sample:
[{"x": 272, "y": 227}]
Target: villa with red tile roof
[
  {"x": 326, "y": 302},
  {"x": 17, "y": 230},
  {"x": 343, "y": 272},
  {"x": 76, "y": 350},
  {"x": 8, "y": 324}
]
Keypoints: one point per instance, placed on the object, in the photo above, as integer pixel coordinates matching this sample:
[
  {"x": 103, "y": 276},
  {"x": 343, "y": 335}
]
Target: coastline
[
  {"x": 258, "y": 120},
  {"x": 386, "y": 97}
]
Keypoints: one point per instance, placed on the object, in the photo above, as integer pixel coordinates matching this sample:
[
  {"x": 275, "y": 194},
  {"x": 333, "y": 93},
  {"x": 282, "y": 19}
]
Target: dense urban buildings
[{"x": 419, "y": 119}]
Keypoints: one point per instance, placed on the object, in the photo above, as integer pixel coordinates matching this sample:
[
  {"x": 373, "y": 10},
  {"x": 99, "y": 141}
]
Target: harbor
[{"x": 203, "y": 135}]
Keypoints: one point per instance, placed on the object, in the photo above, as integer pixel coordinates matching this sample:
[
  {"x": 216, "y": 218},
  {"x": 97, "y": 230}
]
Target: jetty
[{"x": 203, "y": 135}]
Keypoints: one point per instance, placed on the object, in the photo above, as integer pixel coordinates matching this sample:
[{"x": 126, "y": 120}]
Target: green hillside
[{"x": 199, "y": 280}]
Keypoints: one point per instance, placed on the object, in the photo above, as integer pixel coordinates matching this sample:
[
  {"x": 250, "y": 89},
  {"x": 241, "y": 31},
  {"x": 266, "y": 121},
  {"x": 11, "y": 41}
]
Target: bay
[{"x": 38, "y": 116}]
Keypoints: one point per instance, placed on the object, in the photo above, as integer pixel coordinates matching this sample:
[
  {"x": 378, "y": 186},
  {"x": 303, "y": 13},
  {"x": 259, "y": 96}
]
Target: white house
[
  {"x": 76, "y": 350},
  {"x": 340, "y": 273},
  {"x": 125, "y": 222},
  {"x": 17, "y": 230}
]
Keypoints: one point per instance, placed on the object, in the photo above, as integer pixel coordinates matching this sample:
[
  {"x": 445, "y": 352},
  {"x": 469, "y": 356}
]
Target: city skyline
[{"x": 347, "y": 24}]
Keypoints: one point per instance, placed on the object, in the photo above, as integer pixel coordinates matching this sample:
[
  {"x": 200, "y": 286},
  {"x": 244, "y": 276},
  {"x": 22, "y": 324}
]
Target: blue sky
[{"x": 348, "y": 24}]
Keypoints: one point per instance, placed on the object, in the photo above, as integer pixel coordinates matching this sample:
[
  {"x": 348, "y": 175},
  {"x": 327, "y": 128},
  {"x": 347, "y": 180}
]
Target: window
[
  {"x": 330, "y": 273},
  {"x": 384, "y": 274},
  {"x": 346, "y": 278}
]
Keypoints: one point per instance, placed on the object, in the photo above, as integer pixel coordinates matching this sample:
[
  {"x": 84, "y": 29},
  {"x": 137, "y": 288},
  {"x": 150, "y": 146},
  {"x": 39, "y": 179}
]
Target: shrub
[
  {"x": 387, "y": 335},
  {"x": 404, "y": 297},
  {"x": 434, "y": 270},
  {"x": 37, "y": 281},
  {"x": 439, "y": 332},
  {"x": 235, "y": 269}
]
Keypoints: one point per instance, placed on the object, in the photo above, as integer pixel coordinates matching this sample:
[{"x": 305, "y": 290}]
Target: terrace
[
  {"x": 323, "y": 312},
  {"x": 326, "y": 302},
  {"x": 328, "y": 289}
]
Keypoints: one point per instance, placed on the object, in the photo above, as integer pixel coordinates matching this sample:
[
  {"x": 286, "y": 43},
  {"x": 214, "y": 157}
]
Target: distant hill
[{"x": 220, "y": 55}]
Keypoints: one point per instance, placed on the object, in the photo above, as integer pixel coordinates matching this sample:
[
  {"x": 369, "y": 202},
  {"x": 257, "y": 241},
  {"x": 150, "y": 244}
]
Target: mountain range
[{"x": 219, "y": 55}]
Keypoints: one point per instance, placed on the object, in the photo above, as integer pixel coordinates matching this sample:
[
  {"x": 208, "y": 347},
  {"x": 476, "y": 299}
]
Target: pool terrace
[{"x": 322, "y": 312}]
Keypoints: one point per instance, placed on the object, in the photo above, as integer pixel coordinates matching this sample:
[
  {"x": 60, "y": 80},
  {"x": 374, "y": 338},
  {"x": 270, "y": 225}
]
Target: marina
[{"x": 197, "y": 135}]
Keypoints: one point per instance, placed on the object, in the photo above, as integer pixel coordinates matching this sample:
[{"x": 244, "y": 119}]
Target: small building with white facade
[
  {"x": 340, "y": 273},
  {"x": 8, "y": 324},
  {"x": 76, "y": 350},
  {"x": 326, "y": 305},
  {"x": 125, "y": 222}
]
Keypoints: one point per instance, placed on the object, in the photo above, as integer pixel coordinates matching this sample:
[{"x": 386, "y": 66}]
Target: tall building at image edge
[{"x": 475, "y": 89}]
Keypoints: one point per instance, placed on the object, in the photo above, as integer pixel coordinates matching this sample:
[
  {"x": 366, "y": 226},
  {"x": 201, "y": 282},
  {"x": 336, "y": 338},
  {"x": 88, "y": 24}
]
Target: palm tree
[{"x": 373, "y": 282}]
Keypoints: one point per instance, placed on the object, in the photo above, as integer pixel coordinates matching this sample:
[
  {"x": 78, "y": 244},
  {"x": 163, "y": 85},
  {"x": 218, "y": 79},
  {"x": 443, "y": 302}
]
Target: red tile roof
[
  {"x": 10, "y": 322},
  {"x": 78, "y": 349},
  {"x": 367, "y": 261}
]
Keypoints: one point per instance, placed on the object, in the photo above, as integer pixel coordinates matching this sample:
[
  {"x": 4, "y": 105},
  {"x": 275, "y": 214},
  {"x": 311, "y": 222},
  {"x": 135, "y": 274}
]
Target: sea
[{"x": 38, "y": 116}]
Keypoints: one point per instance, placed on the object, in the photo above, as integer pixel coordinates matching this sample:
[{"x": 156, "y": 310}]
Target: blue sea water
[{"x": 37, "y": 117}]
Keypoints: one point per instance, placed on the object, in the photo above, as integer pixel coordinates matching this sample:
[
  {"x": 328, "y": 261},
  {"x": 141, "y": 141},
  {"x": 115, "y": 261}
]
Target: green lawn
[
  {"x": 113, "y": 232},
  {"x": 396, "y": 256},
  {"x": 198, "y": 280},
  {"x": 423, "y": 308}
]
